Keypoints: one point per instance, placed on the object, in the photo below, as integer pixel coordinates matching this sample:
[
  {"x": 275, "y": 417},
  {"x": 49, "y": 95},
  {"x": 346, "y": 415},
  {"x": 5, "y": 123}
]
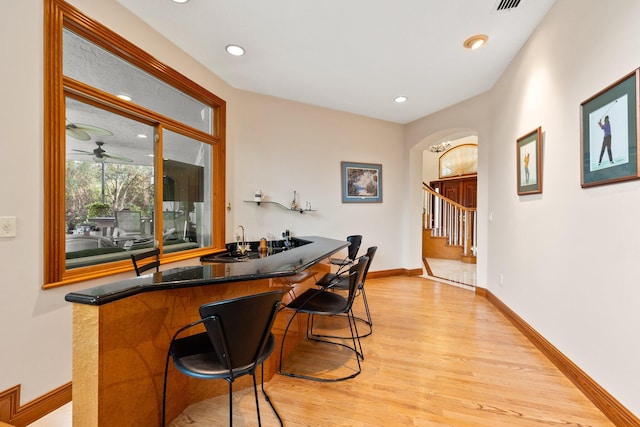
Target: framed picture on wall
[
  {"x": 529, "y": 162},
  {"x": 361, "y": 182},
  {"x": 609, "y": 134}
]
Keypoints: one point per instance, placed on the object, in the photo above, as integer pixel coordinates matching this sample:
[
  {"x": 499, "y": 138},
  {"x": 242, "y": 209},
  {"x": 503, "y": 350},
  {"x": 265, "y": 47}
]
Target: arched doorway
[{"x": 444, "y": 261}]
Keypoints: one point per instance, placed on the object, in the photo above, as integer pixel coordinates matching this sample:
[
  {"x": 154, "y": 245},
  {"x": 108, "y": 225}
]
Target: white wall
[
  {"x": 470, "y": 118},
  {"x": 568, "y": 255},
  {"x": 272, "y": 144},
  {"x": 34, "y": 349},
  {"x": 282, "y": 146}
]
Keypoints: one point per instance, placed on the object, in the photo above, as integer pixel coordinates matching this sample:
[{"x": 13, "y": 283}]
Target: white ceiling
[{"x": 351, "y": 55}]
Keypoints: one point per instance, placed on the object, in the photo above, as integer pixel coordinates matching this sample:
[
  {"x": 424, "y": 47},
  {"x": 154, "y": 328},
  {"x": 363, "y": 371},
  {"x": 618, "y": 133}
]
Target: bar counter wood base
[
  {"x": 122, "y": 331},
  {"x": 120, "y": 348}
]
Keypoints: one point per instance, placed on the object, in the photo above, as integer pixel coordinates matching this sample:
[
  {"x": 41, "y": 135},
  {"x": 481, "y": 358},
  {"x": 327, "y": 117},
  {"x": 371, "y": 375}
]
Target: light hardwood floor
[{"x": 439, "y": 356}]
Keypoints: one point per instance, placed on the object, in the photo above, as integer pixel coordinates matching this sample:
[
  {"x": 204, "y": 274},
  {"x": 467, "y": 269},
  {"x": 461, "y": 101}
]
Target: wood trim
[
  {"x": 457, "y": 177},
  {"x": 413, "y": 272},
  {"x": 394, "y": 272},
  {"x": 54, "y": 201},
  {"x": 608, "y": 404},
  {"x": 19, "y": 416},
  {"x": 458, "y": 205},
  {"x": 383, "y": 273},
  {"x": 101, "y": 35},
  {"x": 427, "y": 267},
  {"x": 58, "y": 15}
]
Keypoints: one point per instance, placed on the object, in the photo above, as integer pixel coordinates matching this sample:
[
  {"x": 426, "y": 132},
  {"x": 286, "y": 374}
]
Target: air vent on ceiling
[{"x": 506, "y": 4}]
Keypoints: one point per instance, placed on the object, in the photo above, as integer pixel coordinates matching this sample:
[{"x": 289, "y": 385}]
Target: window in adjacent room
[{"x": 134, "y": 156}]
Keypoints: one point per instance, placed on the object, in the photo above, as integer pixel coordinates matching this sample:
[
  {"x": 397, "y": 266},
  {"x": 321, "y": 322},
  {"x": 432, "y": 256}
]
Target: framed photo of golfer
[
  {"x": 609, "y": 134},
  {"x": 529, "y": 162},
  {"x": 361, "y": 182}
]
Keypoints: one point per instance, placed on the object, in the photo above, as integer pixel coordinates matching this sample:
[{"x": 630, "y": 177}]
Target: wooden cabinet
[{"x": 463, "y": 190}]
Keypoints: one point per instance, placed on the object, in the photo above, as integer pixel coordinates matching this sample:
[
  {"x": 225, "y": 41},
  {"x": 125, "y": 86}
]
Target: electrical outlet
[
  {"x": 7, "y": 226},
  {"x": 501, "y": 279}
]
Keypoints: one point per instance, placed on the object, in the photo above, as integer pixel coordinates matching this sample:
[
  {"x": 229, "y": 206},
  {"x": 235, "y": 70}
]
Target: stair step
[{"x": 468, "y": 259}]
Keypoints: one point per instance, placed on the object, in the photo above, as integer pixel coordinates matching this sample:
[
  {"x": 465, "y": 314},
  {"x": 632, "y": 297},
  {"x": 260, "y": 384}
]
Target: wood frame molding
[
  {"x": 11, "y": 412},
  {"x": 395, "y": 272},
  {"x": 61, "y": 15},
  {"x": 604, "y": 401}
]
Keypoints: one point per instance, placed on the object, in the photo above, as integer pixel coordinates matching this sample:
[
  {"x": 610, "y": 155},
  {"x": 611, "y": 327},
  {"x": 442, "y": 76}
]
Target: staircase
[{"x": 449, "y": 229}]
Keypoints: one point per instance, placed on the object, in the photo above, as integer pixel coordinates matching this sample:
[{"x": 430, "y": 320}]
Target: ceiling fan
[
  {"x": 81, "y": 132},
  {"x": 100, "y": 155}
]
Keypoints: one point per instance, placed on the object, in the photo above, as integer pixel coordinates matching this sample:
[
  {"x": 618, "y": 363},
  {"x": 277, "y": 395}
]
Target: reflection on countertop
[{"x": 280, "y": 264}]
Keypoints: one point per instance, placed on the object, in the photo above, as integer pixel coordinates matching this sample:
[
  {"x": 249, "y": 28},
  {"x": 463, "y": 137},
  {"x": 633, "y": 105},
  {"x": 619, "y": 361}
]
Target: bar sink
[{"x": 233, "y": 255}]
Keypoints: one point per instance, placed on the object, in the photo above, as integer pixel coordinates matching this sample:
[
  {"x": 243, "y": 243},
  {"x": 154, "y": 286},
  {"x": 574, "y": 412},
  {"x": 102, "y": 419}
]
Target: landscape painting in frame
[
  {"x": 529, "y": 162},
  {"x": 361, "y": 182},
  {"x": 609, "y": 126}
]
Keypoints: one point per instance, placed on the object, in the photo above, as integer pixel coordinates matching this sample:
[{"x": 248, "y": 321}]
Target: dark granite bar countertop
[{"x": 286, "y": 263}]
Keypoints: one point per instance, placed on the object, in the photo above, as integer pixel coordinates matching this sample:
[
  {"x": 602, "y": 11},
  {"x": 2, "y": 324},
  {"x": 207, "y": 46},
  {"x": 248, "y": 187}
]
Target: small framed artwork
[
  {"x": 361, "y": 182},
  {"x": 529, "y": 162},
  {"x": 609, "y": 134}
]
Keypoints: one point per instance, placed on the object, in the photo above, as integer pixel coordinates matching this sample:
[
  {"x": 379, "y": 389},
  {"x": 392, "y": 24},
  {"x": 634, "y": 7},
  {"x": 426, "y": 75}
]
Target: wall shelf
[{"x": 280, "y": 205}]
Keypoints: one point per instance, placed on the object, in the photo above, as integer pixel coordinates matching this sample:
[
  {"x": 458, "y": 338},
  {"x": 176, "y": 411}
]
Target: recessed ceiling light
[
  {"x": 400, "y": 99},
  {"x": 474, "y": 42},
  {"x": 235, "y": 50},
  {"x": 180, "y": 1},
  {"x": 124, "y": 97},
  {"x": 141, "y": 135}
]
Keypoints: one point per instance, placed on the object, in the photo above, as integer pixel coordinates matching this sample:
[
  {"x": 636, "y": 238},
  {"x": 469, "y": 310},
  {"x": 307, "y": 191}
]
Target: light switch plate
[{"x": 7, "y": 226}]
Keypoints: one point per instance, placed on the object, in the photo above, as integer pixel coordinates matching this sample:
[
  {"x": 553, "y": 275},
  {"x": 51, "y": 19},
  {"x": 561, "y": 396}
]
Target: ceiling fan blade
[
  {"x": 116, "y": 157},
  {"x": 101, "y": 156},
  {"x": 78, "y": 134},
  {"x": 92, "y": 129}
]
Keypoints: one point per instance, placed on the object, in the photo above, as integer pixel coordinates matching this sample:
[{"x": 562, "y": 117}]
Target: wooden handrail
[{"x": 447, "y": 218}]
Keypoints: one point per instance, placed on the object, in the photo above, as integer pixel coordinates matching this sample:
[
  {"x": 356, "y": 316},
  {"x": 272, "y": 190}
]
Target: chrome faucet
[{"x": 240, "y": 238}]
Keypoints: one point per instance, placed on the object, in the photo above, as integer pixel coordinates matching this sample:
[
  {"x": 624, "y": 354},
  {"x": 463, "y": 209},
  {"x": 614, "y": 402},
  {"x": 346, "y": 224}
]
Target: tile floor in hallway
[{"x": 452, "y": 271}]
